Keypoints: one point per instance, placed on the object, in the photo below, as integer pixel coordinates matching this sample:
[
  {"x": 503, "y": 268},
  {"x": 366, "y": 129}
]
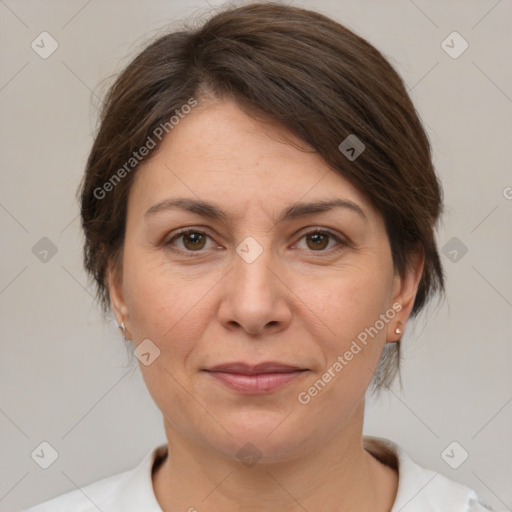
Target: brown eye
[
  {"x": 192, "y": 240},
  {"x": 318, "y": 240}
]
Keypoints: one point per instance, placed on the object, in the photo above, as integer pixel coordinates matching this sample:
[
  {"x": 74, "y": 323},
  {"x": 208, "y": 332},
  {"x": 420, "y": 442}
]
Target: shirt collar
[
  {"x": 136, "y": 493},
  {"x": 419, "y": 489}
]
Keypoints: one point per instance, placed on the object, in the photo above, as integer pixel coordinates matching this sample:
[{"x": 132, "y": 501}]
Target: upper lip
[{"x": 248, "y": 369}]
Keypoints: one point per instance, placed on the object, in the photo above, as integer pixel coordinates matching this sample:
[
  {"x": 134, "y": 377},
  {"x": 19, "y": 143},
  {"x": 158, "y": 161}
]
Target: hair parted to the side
[{"x": 294, "y": 67}]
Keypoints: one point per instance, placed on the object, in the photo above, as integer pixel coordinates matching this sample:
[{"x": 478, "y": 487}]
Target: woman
[{"x": 259, "y": 210}]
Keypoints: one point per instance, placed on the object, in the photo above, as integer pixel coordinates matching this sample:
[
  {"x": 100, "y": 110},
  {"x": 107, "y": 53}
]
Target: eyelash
[{"x": 186, "y": 231}]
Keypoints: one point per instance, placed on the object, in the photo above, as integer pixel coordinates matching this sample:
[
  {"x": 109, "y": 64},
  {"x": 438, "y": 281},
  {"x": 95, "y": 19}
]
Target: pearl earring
[
  {"x": 123, "y": 330},
  {"x": 398, "y": 330}
]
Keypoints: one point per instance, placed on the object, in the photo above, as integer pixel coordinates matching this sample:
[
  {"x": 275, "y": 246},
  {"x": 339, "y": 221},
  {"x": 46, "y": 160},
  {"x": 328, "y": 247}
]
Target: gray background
[{"x": 64, "y": 373}]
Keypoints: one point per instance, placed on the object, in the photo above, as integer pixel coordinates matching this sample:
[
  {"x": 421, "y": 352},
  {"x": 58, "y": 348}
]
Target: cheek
[
  {"x": 163, "y": 306},
  {"x": 174, "y": 313},
  {"x": 350, "y": 306},
  {"x": 353, "y": 300}
]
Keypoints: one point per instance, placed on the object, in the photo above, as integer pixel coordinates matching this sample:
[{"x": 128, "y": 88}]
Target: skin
[{"x": 301, "y": 302}]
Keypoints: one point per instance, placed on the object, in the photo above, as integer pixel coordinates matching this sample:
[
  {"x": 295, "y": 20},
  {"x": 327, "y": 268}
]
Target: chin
[{"x": 259, "y": 435}]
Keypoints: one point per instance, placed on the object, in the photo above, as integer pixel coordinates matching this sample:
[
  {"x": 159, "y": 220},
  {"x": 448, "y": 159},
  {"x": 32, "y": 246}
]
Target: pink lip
[{"x": 255, "y": 379}]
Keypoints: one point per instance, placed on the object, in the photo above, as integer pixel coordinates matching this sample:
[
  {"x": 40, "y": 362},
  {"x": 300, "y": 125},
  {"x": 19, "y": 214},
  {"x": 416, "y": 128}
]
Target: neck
[{"x": 338, "y": 475}]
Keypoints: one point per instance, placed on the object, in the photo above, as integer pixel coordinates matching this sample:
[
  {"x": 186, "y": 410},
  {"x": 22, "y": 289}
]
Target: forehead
[{"x": 219, "y": 153}]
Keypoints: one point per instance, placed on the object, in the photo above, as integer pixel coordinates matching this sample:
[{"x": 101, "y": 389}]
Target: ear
[
  {"x": 405, "y": 289},
  {"x": 116, "y": 293}
]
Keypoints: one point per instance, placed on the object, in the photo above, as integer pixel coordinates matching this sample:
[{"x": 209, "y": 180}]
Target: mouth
[{"x": 255, "y": 379}]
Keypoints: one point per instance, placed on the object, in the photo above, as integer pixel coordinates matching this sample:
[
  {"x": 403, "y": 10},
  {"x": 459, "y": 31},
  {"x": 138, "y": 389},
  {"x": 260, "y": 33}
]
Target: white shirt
[{"x": 419, "y": 489}]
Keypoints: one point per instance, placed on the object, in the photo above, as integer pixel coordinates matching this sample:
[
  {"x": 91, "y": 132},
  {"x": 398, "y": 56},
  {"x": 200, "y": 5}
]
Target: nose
[{"x": 255, "y": 296}]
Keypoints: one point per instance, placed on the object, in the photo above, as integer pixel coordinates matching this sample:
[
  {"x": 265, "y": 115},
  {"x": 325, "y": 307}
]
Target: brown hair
[{"x": 295, "y": 67}]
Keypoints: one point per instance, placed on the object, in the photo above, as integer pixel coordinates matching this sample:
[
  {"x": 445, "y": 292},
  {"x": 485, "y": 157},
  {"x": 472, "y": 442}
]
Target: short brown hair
[{"x": 302, "y": 70}]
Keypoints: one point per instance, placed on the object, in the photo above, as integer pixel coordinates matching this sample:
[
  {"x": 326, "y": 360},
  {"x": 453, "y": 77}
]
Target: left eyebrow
[{"x": 212, "y": 211}]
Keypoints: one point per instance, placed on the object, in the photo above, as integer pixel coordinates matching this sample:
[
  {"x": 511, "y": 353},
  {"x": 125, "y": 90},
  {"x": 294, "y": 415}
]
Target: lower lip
[{"x": 258, "y": 383}]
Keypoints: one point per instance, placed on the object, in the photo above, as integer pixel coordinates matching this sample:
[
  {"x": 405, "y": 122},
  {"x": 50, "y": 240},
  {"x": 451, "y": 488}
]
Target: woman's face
[{"x": 252, "y": 286}]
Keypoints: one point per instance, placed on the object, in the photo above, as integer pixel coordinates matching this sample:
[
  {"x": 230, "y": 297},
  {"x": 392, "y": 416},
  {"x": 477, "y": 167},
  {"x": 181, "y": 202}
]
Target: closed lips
[
  {"x": 256, "y": 379},
  {"x": 261, "y": 368}
]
